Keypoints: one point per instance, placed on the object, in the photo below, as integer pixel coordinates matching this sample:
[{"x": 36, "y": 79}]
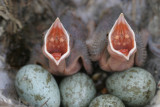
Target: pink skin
[
  {"x": 63, "y": 50},
  {"x": 115, "y": 46},
  {"x": 115, "y": 62}
]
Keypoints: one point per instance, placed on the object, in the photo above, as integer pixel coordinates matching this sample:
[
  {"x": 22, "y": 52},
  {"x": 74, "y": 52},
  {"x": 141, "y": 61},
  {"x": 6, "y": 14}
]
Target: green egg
[
  {"x": 135, "y": 86},
  {"x": 77, "y": 90},
  {"x": 106, "y": 101},
  {"x": 37, "y": 87}
]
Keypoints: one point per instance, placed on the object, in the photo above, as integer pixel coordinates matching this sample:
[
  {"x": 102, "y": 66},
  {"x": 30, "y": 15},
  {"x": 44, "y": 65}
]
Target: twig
[{"x": 45, "y": 103}]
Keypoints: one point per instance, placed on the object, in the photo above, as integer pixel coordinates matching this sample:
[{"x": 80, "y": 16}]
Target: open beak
[
  {"x": 56, "y": 42},
  {"x": 122, "y": 38}
]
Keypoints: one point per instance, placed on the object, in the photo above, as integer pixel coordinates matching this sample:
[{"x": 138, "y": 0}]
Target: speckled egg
[
  {"x": 37, "y": 86},
  {"x": 135, "y": 86},
  {"x": 77, "y": 90},
  {"x": 106, "y": 101}
]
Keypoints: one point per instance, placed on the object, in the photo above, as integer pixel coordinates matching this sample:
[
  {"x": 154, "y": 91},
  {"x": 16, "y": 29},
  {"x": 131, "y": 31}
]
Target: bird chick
[
  {"x": 121, "y": 46},
  {"x": 114, "y": 44},
  {"x": 65, "y": 47}
]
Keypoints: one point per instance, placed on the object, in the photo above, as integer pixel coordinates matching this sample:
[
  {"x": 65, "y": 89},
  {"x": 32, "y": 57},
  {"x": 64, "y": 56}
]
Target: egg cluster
[{"x": 36, "y": 86}]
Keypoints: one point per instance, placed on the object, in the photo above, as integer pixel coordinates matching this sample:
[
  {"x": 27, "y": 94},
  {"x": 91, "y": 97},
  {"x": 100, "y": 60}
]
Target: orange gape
[
  {"x": 122, "y": 38},
  {"x": 57, "y": 42}
]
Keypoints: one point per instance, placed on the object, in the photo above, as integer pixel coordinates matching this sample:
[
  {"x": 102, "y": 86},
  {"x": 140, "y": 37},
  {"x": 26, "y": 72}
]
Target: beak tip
[
  {"x": 57, "y": 22},
  {"x": 122, "y": 14},
  {"x": 121, "y": 18},
  {"x": 57, "y": 19}
]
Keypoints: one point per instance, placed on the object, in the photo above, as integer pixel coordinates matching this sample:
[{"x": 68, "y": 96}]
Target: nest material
[{"x": 26, "y": 20}]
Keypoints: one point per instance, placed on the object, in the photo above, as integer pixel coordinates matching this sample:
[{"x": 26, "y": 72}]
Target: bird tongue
[
  {"x": 124, "y": 51},
  {"x": 57, "y": 56}
]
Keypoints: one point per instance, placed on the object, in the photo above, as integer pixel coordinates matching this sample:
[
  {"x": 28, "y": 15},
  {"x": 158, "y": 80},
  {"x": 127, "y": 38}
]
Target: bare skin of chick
[
  {"x": 101, "y": 50},
  {"x": 58, "y": 45}
]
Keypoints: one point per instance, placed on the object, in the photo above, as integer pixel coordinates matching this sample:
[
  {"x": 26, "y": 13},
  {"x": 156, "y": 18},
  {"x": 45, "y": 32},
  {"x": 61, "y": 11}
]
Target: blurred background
[{"x": 23, "y": 23}]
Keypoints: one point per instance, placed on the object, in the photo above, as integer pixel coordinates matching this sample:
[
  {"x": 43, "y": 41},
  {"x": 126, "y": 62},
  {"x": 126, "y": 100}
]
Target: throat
[
  {"x": 124, "y": 51},
  {"x": 57, "y": 56}
]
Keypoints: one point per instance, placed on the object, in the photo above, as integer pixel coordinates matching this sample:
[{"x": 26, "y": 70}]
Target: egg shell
[
  {"x": 106, "y": 101},
  {"x": 36, "y": 86},
  {"x": 135, "y": 86},
  {"x": 77, "y": 90}
]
